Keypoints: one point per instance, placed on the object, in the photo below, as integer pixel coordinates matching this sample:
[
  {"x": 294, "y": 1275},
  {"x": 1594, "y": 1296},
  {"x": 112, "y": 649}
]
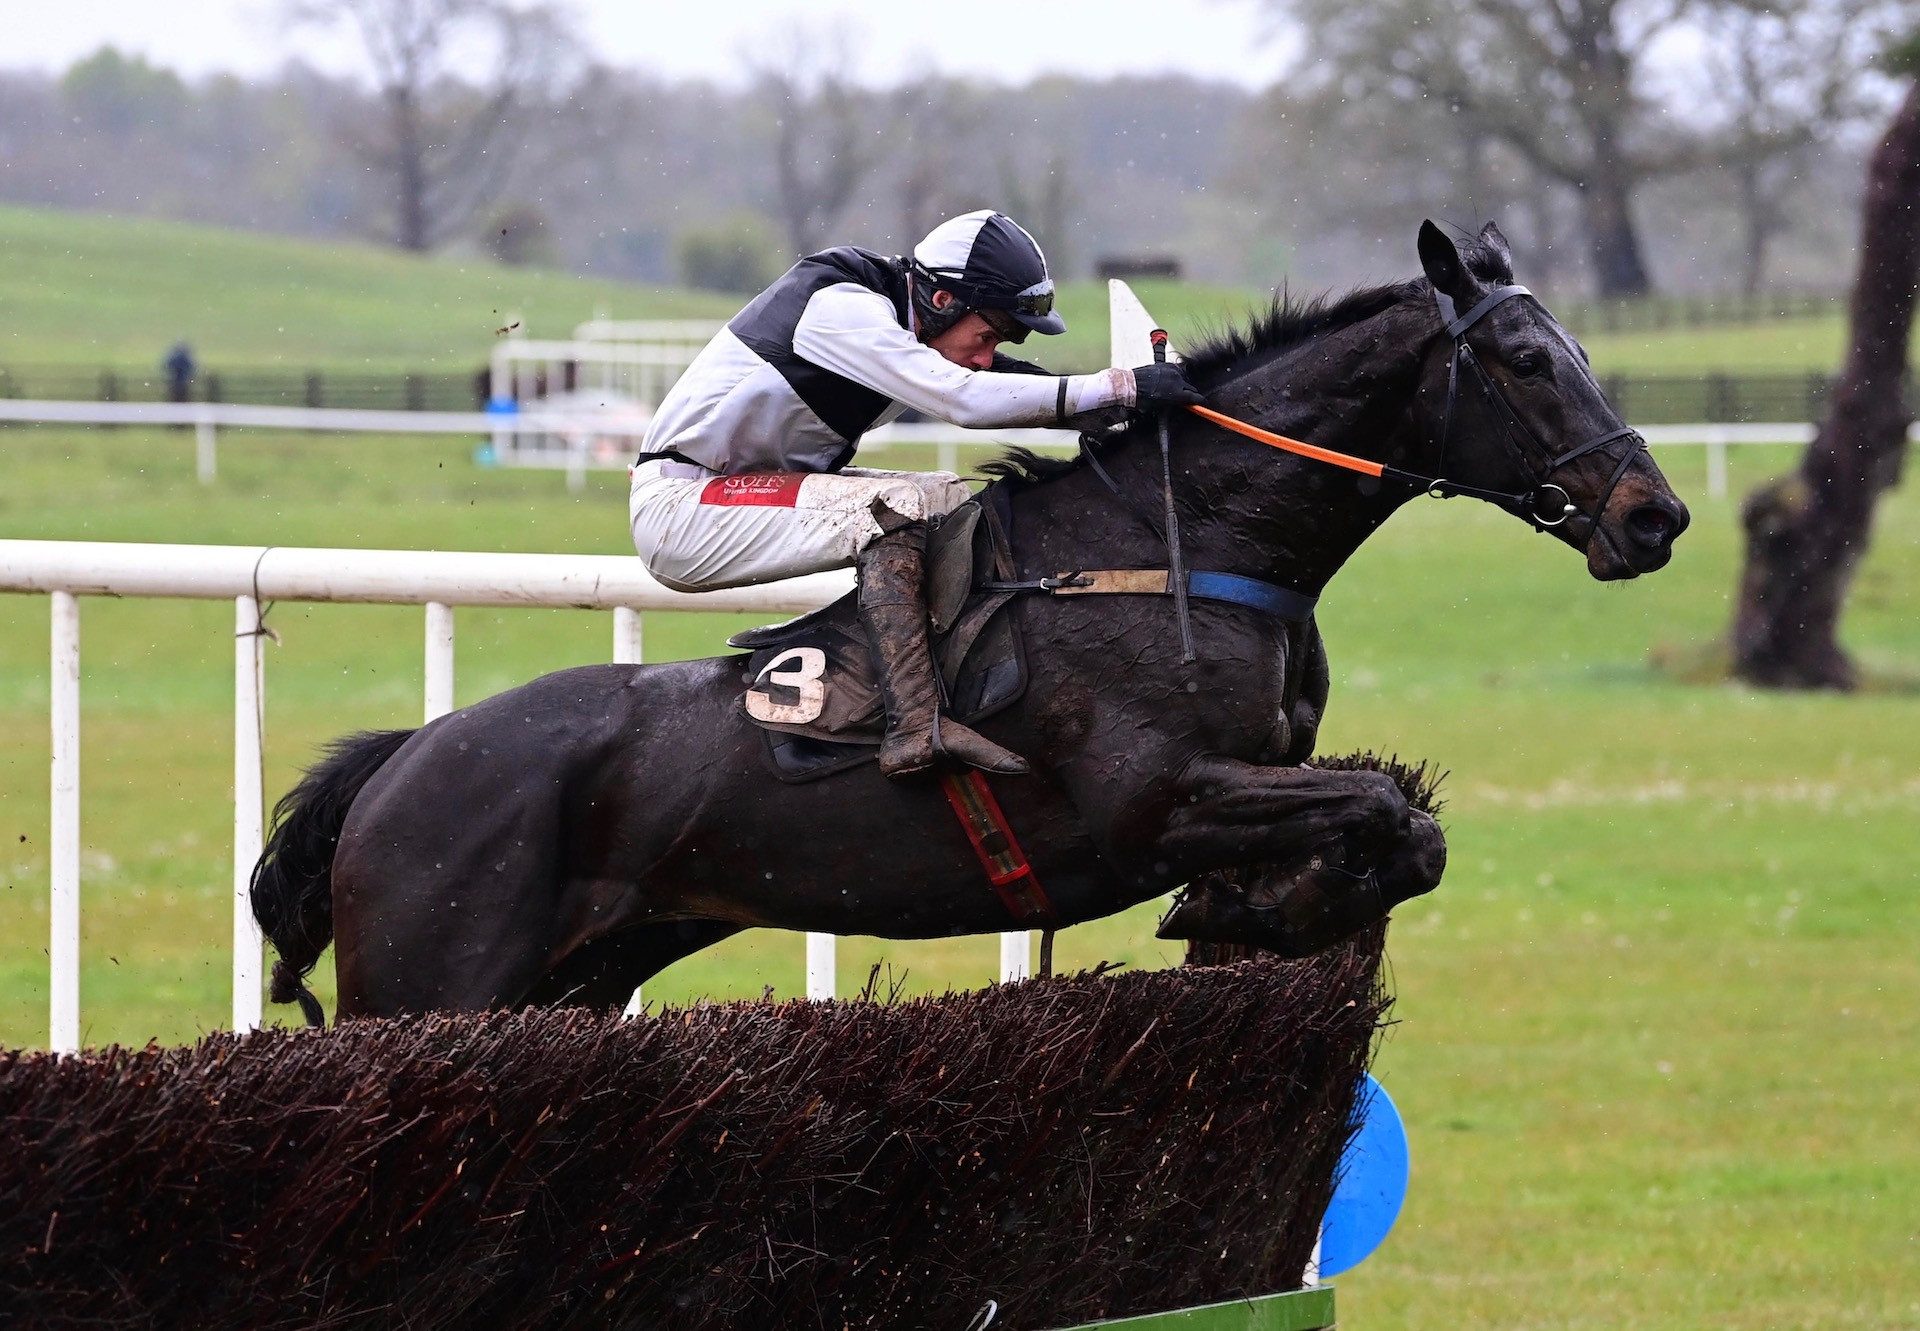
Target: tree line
[{"x": 1626, "y": 147}]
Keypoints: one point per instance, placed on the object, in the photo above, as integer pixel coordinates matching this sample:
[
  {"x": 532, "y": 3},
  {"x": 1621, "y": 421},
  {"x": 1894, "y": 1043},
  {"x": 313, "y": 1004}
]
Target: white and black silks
[{"x": 827, "y": 353}]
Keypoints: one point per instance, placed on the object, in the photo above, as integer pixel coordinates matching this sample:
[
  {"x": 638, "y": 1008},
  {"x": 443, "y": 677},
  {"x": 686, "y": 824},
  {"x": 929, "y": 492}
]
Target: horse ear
[
  {"x": 1490, "y": 237},
  {"x": 1440, "y": 258}
]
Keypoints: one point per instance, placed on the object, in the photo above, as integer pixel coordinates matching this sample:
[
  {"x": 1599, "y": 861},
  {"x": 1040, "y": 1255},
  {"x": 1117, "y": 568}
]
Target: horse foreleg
[
  {"x": 1301, "y": 912},
  {"x": 1225, "y": 812}
]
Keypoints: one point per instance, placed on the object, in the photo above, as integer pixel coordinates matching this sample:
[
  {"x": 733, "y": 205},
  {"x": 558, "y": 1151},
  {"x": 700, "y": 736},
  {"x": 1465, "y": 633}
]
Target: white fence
[
  {"x": 251, "y": 575},
  {"x": 582, "y": 432}
]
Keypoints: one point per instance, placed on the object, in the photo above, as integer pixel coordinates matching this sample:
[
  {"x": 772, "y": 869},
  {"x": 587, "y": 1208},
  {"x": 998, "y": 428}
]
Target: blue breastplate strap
[{"x": 1266, "y": 597}]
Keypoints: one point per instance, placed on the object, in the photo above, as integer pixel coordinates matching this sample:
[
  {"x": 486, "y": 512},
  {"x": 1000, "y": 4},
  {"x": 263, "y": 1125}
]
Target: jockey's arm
[
  {"x": 1005, "y": 364},
  {"x": 853, "y": 332}
]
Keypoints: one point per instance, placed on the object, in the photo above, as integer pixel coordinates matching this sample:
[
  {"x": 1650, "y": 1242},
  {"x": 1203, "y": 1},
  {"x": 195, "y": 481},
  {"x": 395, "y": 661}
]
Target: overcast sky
[{"x": 1009, "y": 39}]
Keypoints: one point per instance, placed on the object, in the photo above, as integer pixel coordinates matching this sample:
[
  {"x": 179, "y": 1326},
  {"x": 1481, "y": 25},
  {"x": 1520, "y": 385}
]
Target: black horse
[{"x": 565, "y": 840}]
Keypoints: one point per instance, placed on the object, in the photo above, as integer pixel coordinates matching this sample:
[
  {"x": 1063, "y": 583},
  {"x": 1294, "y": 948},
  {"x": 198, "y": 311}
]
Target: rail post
[
  {"x": 822, "y": 953},
  {"x": 249, "y": 823},
  {"x": 205, "y": 457},
  {"x": 628, "y": 643},
  {"x": 439, "y": 666},
  {"x": 1016, "y": 952},
  {"x": 1717, "y": 464},
  {"x": 63, "y": 1025}
]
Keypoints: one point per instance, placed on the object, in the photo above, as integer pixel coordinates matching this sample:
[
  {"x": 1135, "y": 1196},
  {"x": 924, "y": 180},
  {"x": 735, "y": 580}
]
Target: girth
[{"x": 1269, "y": 598}]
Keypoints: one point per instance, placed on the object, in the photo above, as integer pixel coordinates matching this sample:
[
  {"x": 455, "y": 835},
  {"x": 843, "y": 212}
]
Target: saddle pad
[
  {"x": 816, "y": 697},
  {"x": 811, "y": 682}
]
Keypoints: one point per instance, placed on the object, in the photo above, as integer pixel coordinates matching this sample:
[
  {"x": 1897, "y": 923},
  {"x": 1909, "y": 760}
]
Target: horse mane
[{"x": 1285, "y": 324}]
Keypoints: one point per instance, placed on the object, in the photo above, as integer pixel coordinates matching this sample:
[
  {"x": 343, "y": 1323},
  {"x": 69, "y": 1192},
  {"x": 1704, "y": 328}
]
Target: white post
[
  {"x": 577, "y": 451},
  {"x": 249, "y": 823},
  {"x": 1717, "y": 465},
  {"x": 820, "y": 965},
  {"x": 439, "y": 659},
  {"x": 1015, "y": 956},
  {"x": 627, "y": 644},
  {"x": 63, "y": 1030},
  {"x": 627, "y": 636},
  {"x": 204, "y": 459},
  {"x": 949, "y": 456}
]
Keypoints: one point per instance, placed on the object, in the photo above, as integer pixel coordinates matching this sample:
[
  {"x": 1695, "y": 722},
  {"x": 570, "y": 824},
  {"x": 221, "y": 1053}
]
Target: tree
[
  {"x": 827, "y": 130},
  {"x": 1807, "y": 531},
  {"x": 736, "y": 255},
  {"x": 445, "y": 144},
  {"x": 1783, "y": 77},
  {"x": 122, "y": 95}
]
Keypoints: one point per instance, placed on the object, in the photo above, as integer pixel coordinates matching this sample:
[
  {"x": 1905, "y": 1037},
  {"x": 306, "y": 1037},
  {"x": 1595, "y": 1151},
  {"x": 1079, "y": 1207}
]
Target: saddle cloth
[{"x": 811, "y": 682}]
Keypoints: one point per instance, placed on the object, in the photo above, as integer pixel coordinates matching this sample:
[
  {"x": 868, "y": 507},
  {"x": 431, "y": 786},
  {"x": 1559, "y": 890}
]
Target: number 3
[{"x": 809, "y": 664}]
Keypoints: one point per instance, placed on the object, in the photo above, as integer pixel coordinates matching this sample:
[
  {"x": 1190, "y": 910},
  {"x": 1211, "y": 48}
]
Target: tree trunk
[
  {"x": 1807, "y": 530},
  {"x": 410, "y": 171},
  {"x": 1756, "y": 226},
  {"x": 1613, "y": 246}
]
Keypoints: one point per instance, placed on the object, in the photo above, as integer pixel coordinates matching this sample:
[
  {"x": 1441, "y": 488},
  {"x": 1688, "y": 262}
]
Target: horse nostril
[{"x": 1651, "y": 526}]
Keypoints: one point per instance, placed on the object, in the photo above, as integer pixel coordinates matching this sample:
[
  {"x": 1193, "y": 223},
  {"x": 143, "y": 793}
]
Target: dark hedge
[{"x": 1072, "y": 1148}]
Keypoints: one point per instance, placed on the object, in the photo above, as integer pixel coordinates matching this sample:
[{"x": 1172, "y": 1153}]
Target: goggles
[{"x": 1037, "y": 303}]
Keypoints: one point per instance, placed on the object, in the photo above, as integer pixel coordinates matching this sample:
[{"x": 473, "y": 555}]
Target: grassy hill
[
  {"x": 90, "y": 290},
  {"x": 81, "y": 288}
]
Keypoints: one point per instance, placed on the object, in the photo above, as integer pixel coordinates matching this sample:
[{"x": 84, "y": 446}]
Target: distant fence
[
  {"x": 1642, "y": 399},
  {"x": 1651, "y": 314}
]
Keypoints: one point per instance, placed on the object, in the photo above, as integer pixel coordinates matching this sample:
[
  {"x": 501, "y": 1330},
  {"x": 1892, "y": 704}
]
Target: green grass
[
  {"x": 1656, "y": 1028},
  {"x": 86, "y": 289}
]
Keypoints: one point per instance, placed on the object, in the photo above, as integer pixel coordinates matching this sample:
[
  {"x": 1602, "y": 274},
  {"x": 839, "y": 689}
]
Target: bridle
[{"x": 1536, "y": 504}]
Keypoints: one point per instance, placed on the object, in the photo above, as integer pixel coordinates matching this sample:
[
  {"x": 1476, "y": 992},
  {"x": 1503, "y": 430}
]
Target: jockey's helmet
[{"x": 993, "y": 268}]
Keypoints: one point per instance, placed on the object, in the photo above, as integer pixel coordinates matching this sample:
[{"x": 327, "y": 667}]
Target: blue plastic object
[{"x": 1371, "y": 1186}]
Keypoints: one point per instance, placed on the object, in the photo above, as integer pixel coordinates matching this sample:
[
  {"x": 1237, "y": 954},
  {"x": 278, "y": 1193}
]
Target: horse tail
[{"x": 292, "y": 888}]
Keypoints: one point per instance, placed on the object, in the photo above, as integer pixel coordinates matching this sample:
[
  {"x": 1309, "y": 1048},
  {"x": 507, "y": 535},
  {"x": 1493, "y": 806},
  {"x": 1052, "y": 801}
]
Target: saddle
[{"x": 811, "y": 682}]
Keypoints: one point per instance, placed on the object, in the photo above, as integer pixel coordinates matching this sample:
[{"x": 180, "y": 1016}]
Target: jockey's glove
[{"x": 1163, "y": 385}]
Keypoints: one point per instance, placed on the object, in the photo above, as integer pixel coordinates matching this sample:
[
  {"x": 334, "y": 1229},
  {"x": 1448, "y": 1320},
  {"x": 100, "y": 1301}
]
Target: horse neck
[{"x": 1246, "y": 507}]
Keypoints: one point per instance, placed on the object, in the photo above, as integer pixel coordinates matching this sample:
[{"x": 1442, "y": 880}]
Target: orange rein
[{"x": 1281, "y": 441}]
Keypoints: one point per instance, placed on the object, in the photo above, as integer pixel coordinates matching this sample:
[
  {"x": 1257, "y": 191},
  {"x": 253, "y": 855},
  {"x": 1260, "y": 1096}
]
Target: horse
[{"x": 564, "y": 840}]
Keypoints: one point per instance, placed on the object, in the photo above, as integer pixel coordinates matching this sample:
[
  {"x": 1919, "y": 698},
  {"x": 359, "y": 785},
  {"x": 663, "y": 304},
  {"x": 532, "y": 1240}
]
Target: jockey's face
[{"x": 969, "y": 343}]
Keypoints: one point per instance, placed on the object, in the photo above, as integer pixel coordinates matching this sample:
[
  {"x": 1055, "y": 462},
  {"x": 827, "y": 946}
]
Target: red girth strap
[{"x": 999, "y": 850}]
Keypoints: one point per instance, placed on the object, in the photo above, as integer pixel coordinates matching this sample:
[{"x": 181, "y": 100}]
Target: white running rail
[
  {"x": 583, "y": 429},
  {"x": 252, "y": 575}
]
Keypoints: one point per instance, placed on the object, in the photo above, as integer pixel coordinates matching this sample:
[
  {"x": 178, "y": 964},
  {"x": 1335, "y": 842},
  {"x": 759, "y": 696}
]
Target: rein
[{"x": 1531, "y": 504}]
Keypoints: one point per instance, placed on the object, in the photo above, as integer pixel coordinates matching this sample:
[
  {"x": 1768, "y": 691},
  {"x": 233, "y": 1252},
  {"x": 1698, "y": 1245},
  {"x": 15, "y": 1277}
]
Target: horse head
[{"x": 1511, "y": 410}]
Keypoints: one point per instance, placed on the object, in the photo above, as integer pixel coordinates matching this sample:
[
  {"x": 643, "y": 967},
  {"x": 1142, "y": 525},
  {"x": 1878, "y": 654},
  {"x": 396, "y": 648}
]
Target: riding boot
[{"x": 893, "y": 610}]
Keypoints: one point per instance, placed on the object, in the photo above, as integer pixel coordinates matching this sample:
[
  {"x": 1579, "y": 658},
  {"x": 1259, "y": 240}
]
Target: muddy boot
[{"x": 893, "y": 611}]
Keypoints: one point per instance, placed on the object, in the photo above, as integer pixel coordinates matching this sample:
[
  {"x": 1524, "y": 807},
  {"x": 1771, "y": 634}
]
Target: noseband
[{"x": 1544, "y": 504}]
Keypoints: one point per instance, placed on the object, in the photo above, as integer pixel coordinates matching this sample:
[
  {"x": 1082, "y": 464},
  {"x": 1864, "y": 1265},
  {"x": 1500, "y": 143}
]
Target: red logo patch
[{"x": 774, "y": 489}]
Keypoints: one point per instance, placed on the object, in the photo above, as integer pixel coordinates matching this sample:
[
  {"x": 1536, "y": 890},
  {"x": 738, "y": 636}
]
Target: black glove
[{"x": 1163, "y": 385}]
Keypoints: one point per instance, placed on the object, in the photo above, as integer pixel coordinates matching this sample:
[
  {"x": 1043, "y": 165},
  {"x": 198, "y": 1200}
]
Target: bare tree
[
  {"x": 1807, "y": 531},
  {"x": 827, "y": 131},
  {"x": 1558, "y": 83},
  {"x": 445, "y": 143},
  {"x": 1783, "y": 79}
]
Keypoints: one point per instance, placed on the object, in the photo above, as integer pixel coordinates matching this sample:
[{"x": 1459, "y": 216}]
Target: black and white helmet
[{"x": 993, "y": 268}]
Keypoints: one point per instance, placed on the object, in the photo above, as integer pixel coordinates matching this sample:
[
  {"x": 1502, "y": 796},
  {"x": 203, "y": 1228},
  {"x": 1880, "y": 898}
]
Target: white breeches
[{"x": 697, "y": 531}]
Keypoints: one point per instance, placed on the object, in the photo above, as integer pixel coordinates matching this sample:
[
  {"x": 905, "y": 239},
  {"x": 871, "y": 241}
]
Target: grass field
[
  {"x": 1656, "y": 1029},
  {"x": 91, "y": 290}
]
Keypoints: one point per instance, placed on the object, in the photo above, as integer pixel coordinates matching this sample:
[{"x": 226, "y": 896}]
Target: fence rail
[
  {"x": 586, "y": 439},
  {"x": 1643, "y": 399},
  {"x": 252, "y": 575}
]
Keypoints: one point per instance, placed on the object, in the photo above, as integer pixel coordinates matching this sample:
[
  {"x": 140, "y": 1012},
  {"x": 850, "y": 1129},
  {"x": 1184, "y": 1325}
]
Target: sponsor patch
[{"x": 773, "y": 489}]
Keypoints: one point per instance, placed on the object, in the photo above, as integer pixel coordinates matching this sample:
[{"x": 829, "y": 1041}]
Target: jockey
[{"x": 743, "y": 477}]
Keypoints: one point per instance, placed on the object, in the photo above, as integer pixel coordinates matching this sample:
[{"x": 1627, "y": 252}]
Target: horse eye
[{"x": 1529, "y": 363}]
